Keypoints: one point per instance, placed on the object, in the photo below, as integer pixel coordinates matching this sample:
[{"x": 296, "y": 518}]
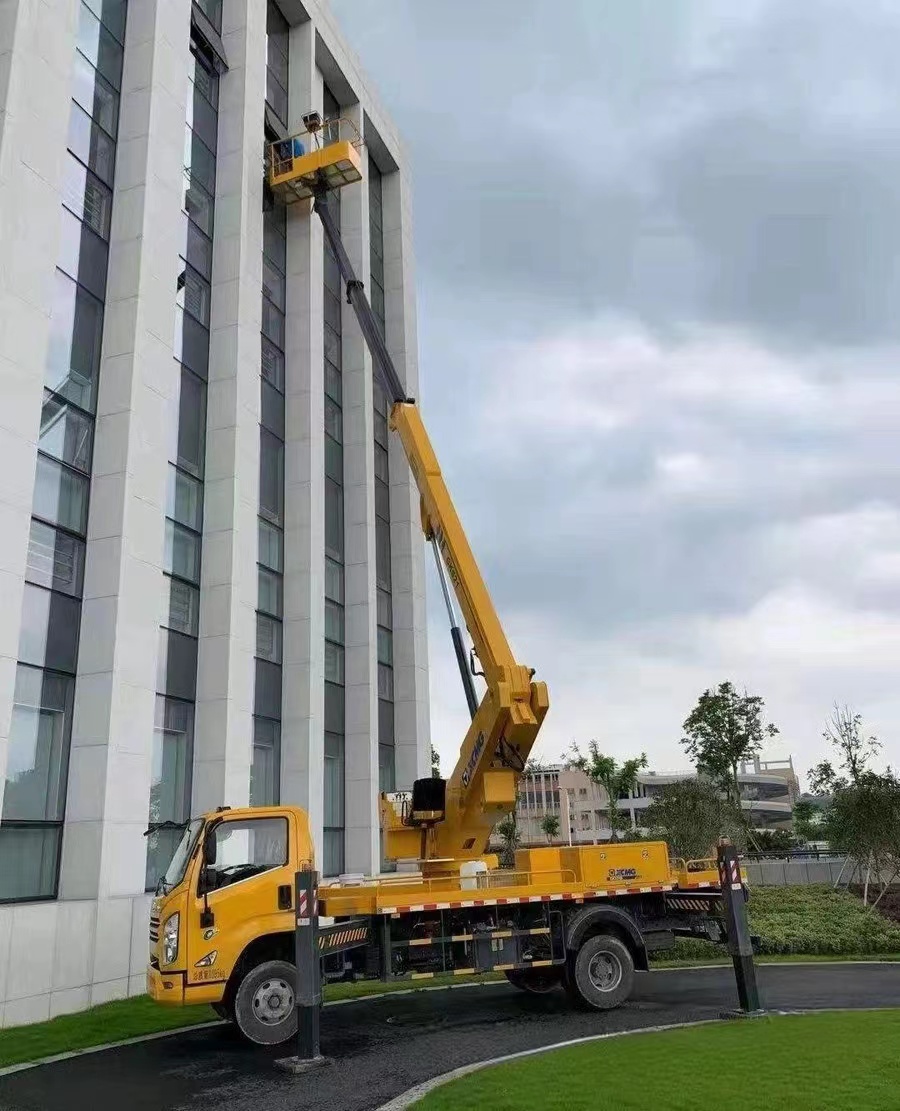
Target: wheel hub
[
  {"x": 605, "y": 971},
  {"x": 273, "y": 1002}
]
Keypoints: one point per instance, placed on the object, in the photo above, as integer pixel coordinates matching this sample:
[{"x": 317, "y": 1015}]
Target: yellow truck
[{"x": 222, "y": 929}]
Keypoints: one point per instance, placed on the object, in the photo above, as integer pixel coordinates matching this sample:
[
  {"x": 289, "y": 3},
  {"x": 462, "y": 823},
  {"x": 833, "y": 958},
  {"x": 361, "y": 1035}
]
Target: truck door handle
[{"x": 285, "y": 901}]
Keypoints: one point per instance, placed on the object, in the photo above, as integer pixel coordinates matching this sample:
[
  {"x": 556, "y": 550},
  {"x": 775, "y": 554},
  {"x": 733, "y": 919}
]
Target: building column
[
  {"x": 362, "y": 817},
  {"x": 412, "y": 725},
  {"x": 223, "y": 742},
  {"x": 36, "y": 54},
  {"x": 104, "y": 850},
  {"x": 303, "y": 699}
]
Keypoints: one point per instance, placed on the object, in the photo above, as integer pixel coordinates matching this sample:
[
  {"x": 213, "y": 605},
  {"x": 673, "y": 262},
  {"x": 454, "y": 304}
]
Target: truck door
[{"x": 249, "y": 891}]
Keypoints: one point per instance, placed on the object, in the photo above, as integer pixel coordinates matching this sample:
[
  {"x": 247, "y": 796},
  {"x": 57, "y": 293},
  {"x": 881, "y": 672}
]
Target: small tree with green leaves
[
  {"x": 691, "y": 815},
  {"x": 550, "y": 827},
  {"x": 435, "y": 763},
  {"x": 724, "y": 728},
  {"x": 616, "y": 779},
  {"x": 508, "y": 832}
]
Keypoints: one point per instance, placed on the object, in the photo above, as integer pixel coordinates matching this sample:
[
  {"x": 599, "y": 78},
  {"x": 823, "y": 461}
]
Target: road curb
[{"x": 413, "y": 1095}]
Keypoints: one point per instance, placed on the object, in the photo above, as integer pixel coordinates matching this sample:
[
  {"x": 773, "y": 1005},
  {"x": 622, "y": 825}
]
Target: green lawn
[
  {"x": 129, "y": 1018},
  {"x": 827, "y": 1062}
]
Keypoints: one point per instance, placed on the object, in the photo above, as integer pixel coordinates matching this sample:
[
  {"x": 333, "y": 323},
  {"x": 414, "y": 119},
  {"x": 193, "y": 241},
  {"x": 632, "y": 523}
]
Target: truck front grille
[{"x": 154, "y": 930}]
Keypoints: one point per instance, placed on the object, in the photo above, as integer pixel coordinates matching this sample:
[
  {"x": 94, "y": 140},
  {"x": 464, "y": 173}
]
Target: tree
[
  {"x": 550, "y": 827},
  {"x": 723, "y": 729},
  {"x": 691, "y": 815},
  {"x": 807, "y": 818},
  {"x": 843, "y": 731},
  {"x": 508, "y": 832},
  {"x": 435, "y": 763},
  {"x": 617, "y": 780}
]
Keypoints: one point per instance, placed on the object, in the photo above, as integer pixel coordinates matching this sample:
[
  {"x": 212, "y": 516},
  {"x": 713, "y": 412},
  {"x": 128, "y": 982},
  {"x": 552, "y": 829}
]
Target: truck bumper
[{"x": 166, "y": 988}]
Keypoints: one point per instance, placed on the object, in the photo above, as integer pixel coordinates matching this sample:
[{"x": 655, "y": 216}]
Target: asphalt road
[{"x": 380, "y": 1048}]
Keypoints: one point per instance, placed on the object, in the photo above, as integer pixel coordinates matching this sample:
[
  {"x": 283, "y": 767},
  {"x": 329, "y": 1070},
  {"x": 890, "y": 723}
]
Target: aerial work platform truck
[{"x": 224, "y": 919}]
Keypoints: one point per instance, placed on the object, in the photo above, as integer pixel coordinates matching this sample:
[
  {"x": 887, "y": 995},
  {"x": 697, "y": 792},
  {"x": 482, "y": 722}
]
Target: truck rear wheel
[
  {"x": 264, "y": 1003},
  {"x": 535, "y": 981},
  {"x": 601, "y": 975}
]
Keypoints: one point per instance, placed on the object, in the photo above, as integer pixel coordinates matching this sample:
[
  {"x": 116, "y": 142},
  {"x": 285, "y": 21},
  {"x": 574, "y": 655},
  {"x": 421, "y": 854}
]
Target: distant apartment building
[{"x": 768, "y": 792}]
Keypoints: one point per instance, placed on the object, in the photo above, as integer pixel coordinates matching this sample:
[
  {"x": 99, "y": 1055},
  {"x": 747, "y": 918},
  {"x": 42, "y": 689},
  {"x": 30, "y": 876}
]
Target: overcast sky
[{"x": 658, "y": 265}]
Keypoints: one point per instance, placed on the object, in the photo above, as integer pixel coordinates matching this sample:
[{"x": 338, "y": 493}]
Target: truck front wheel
[
  {"x": 601, "y": 975},
  {"x": 264, "y": 1003}
]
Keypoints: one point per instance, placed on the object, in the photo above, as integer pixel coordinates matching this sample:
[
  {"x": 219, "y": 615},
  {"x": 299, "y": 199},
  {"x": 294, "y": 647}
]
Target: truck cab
[{"x": 224, "y": 907}]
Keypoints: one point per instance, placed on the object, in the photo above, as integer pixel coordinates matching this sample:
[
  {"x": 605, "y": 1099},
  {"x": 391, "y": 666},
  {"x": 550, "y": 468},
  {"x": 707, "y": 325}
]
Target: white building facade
[{"x": 211, "y": 558}]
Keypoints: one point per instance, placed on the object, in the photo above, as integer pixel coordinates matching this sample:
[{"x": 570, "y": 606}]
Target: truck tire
[
  {"x": 601, "y": 975},
  {"x": 535, "y": 981},
  {"x": 224, "y": 1012},
  {"x": 264, "y": 1003}
]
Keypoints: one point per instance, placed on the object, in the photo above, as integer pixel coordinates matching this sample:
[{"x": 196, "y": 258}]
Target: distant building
[{"x": 768, "y": 792}]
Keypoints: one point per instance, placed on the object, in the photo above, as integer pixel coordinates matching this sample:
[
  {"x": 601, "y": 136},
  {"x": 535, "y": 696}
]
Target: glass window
[
  {"x": 334, "y": 621},
  {"x": 200, "y": 73},
  {"x": 185, "y": 499},
  {"x": 170, "y": 780},
  {"x": 55, "y": 559},
  {"x": 274, "y": 231},
  {"x": 112, "y": 14},
  {"x": 382, "y": 500},
  {"x": 73, "y": 355},
  {"x": 271, "y": 475},
  {"x": 191, "y": 422},
  {"x": 192, "y": 294},
  {"x": 28, "y": 862},
  {"x": 66, "y": 433},
  {"x": 248, "y": 847},
  {"x": 273, "y": 284},
  {"x": 199, "y": 160},
  {"x": 334, "y": 580},
  {"x": 334, "y": 519},
  {"x": 176, "y": 671},
  {"x": 332, "y": 852},
  {"x": 334, "y": 460},
  {"x": 276, "y": 96},
  {"x": 333, "y": 384},
  {"x": 381, "y": 463},
  {"x": 377, "y": 302},
  {"x": 272, "y": 409},
  {"x": 272, "y": 365},
  {"x": 197, "y": 203},
  {"x": 267, "y": 690},
  {"x": 273, "y": 323},
  {"x": 334, "y": 663},
  {"x": 99, "y": 46},
  {"x": 269, "y": 592},
  {"x": 386, "y": 773},
  {"x": 96, "y": 96},
  {"x": 263, "y": 770},
  {"x": 182, "y": 555},
  {"x": 48, "y": 636},
  {"x": 91, "y": 144},
  {"x": 268, "y": 638},
  {"x": 38, "y": 753},
  {"x": 385, "y": 721},
  {"x": 334, "y": 780},
  {"x": 332, "y": 314},
  {"x": 82, "y": 253},
  {"x": 381, "y": 429},
  {"x": 332, "y": 273},
  {"x": 86, "y": 196},
  {"x": 271, "y": 546},
  {"x": 334, "y": 708},
  {"x": 333, "y": 420},
  {"x": 383, "y": 553},
  {"x": 332, "y": 346},
  {"x": 385, "y": 615},
  {"x": 183, "y": 608},
  {"x": 197, "y": 247},
  {"x": 385, "y": 682},
  {"x": 60, "y": 495},
  {"x": 385, "y": 646},
  {"x": 212, "y": 9}
]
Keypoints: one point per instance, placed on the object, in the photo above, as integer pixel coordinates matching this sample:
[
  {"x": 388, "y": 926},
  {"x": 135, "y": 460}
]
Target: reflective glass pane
[
  {"x": 385, "y": 615},
  {"x": 86, "y": 195},
  {"x": 191, "y": 422},
  {"x": 55, "y": 559},
  {"x": 334, "y": 708},
  {"x": 334, "y": 780},
  {"x": 385, "y": 646},
  {"x": 182, "y": 611},
  {"x": 200, "y": 160},
  {"x": 196, "y": 247},
  {"x": 273, "y": 284},
  {"x": 332, "y": 852},
  {"x": 212, "y": 9},
  {"x": 82, "y": 253},
  {"x": 333, "y": 420},
  {"x": 333, "y": 384},
  {"x": 48, "y": 635},
  {"x": 202, "y": 118},
  {"x": 334, "y": 580},
  {"x": 272, "y": 367},
  {"x": 262, "y": 776},
  {"x": 385, "y": 682},
  {"x": 176, "y": 671},
  {"x": 334, "y": 519},
  {"x": 192, "y": 294},
  {"x": 202, "y": 76},
  {"x": 99, "y": 46},
  {"x": 60, "y": 495},
  {"x": 273, "y": 323},
  {"x": 381, "y": 464},
  {"x": 73, "y": 354},
  {"x": 334, "y": 621},
  {"x": 271, "y": 475},
  {"x": 271, "y": 541},
  {"x": 28, "y": 862},
  {"x": 382, "y": 500},
  {"x": 96, "y": 96},
  {"x": 170, "y": 780},
  {"x": 383, "y": 553},
  {"x": 197, "y": 203},
  {"x": 269, "y": 592},
  {"x": 185, "y": 499},
  {"x": 268, "y": 638},
  {"x": 334, "y": 663},
  {"x": 66, "y": 433},
  {"x": 334, "y": 460},
  {"x": 91, "y": 144},
  {"x": 38, "y": 753},
  {"x": 182, "y": 556}
]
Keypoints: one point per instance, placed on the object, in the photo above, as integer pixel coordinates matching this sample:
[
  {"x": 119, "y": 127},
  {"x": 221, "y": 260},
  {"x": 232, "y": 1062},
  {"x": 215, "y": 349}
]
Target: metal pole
[
  {"x": 308, "y": 991},
  {"x": 739, "y": 944},
  {"x": 456, "y": 634}
]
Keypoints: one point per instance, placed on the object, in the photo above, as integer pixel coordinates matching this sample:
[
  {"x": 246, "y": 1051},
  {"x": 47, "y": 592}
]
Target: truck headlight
[{"x": 170, "y": 939}]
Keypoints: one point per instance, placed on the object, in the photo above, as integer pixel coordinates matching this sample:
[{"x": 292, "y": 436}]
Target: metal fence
[{"x": 788, "y": 871}]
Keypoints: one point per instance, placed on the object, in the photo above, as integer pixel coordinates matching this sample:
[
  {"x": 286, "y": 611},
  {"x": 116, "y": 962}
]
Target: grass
[
  {"x": 825, "y": 1062},
  {"x": 130, "y": 1018}
]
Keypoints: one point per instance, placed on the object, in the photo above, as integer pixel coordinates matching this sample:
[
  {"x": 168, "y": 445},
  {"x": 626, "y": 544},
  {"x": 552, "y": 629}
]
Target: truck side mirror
[{"x": 209, "y": 850}]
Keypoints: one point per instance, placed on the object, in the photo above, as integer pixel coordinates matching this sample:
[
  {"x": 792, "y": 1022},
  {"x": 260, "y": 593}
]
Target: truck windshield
[{"x": 183, "y": 852}]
